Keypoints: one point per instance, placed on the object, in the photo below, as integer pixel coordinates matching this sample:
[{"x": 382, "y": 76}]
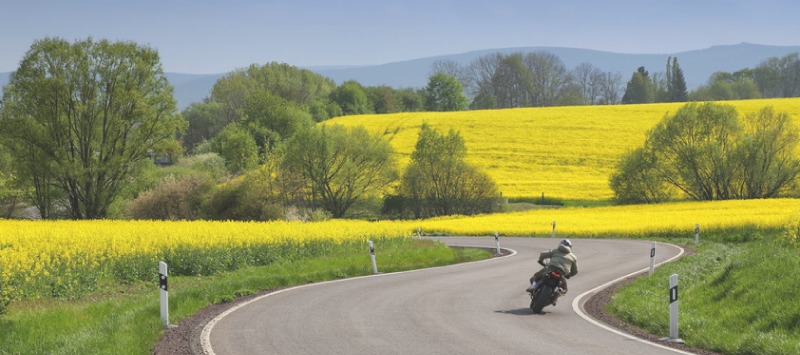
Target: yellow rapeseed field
[
  {"x": 61, "y": 252},
  {"x": 38, "y": 257},
  {"x": 677, "y": 218},
  {"x": 563, "y": 152}
]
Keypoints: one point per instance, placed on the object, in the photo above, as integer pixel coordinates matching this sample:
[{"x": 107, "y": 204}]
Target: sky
[{"x": 208, "y": 37}]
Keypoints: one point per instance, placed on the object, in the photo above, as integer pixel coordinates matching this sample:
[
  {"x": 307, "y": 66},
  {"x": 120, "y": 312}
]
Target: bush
[
  {"x": 173, "y": 199},
  {"x": 207, "y": 163},
  {"x": 244, "y": 199}
]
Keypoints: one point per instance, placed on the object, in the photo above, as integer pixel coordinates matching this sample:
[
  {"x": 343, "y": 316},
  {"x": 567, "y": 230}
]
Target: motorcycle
[{"x": 547, "y": 291}]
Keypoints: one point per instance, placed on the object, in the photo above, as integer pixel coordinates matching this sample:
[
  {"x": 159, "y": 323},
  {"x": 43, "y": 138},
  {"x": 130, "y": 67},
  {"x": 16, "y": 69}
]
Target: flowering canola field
[
  {"x": 563, "y": 152},
  {"x": 42, "y": 258},
  {"x": 67, "y": 258}
]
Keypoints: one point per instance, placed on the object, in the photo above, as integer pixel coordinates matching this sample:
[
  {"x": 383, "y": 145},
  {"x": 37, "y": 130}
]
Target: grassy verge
[
  {"x": 735, "y": 298},
  {"x": 125, "y": 319}
]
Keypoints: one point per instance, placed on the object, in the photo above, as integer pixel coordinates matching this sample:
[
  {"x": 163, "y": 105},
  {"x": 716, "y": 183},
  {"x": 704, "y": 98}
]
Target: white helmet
[{"x": 566, "y": 242}]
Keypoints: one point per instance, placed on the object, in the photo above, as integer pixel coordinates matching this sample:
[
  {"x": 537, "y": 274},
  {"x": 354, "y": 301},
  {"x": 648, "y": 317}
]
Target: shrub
[
  {"x": 244, "y": 199},
  {"x": 173, "y": 199},
  {"x": 209, "y": 163}
]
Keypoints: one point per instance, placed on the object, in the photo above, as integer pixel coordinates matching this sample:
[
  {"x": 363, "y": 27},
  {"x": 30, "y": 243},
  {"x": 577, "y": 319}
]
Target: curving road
[{"x": 473, "y": 308}]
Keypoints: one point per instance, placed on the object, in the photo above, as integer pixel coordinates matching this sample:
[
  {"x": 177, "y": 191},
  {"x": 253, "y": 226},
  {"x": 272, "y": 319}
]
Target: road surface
[{"x": 472, "y": 308}]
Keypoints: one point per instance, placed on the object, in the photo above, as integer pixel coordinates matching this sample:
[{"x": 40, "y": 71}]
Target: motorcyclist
[{"x": 562, "y": 261}]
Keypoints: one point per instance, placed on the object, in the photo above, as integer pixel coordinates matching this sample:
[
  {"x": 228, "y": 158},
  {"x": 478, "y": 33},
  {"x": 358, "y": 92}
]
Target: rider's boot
[{"x": 531, "y": 287}]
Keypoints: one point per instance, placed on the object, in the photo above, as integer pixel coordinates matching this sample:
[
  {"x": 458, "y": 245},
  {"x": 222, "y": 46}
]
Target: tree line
[
  {"x": 775, "y": 77},
  {"x": 82, "y": 123}
]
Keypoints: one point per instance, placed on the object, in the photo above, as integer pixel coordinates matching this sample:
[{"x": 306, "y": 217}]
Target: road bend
[{"x": 471, "y": 308}]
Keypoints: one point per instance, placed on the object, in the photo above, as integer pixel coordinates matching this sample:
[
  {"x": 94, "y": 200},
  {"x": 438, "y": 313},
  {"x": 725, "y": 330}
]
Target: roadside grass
[
  {"x": 125, "y": 319},
  {"x": 734, "y": 298}
]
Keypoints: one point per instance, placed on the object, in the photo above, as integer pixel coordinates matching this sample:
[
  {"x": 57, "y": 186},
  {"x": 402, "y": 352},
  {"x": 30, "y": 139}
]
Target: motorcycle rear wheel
[{"x": 542, "y": 299}]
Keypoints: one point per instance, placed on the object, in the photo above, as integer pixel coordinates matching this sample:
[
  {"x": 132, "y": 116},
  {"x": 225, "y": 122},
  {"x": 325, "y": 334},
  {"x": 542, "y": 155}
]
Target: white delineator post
[
  {"x": 553, "y": 235},
  {"x": 696, "y": 234},
  {"x": 673, "y": 310},
  {"x": 372, "y": 257},
  {"x": 652, "y": 258},
  {"x": 419, "y": 233},
  {"x": 162, "y": 282},
  {"x": 497, "y": 242}
]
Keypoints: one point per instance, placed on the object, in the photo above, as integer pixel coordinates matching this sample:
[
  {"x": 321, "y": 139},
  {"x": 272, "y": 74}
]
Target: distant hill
[
  {"x": 697, "y": 66},
  {"x": 191, "y": 88}
]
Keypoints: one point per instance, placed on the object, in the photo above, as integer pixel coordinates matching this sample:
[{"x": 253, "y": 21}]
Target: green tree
[
  {"x": 640, "y": 89},
  {"x": 237, "y": 147},
  {"x": 637, "y": 180},
  {"x": 438, "y": 181},
  {"x": 766, "y": 153},
  {"x": 444, "y": 93},
  {"x": 727, "y": 86},
  {"x": 12, "y": 190},
  {"x": 778, "y": 77},
  {"x": 676, "y": 84},
  {"x": 383, "y": 99},
  {"x": 80, "y": 116},
  {"x": 411, "y": 100},
  {"x": 205, "y": 122},
  {"x": 340, "y": 165},
  {"x": 694, "y": 148},
  {"x": 299, "y": 86},
  {"x": 708, "y": 153},
  {"x": 271, "y": 119},
  {"x": 352, "y": 98}
]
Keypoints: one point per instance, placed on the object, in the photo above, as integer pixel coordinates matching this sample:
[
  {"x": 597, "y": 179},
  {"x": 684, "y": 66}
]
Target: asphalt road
[{"x": 473, "y": 308}]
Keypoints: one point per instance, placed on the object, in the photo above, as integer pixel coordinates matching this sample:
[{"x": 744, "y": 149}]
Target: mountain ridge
[{"x": 697, "y": 65}]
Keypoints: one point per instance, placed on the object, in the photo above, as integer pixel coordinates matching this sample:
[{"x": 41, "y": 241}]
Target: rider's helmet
[{"x": 566, "y": 242}]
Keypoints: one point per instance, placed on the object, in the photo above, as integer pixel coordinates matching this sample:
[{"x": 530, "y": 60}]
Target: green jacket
[{"x": 561, "y": 259}]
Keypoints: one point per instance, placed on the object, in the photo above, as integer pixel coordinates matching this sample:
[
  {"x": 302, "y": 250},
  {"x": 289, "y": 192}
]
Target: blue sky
[{"x": 196, "y": 36}]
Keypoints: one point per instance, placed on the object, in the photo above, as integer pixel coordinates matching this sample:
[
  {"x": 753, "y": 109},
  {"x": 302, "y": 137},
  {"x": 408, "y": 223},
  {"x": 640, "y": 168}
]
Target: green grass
[
  {"x": 735, "y": 298},
  {"x": 125, "y": 319}
]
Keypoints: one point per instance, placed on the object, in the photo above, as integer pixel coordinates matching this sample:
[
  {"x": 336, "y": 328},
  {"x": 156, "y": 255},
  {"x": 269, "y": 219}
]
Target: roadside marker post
[
  {"x": 652, "y": 258},
  {"x": 419, "y": 233},
  {"x": 162, "y": 282},
  {"x": 497, "y": 241},
  {"x": 553, "y": 235},
  {"x": 696, "y": 234},
  {"x": 673, "y": 310},
  {"x": 372, "y": 257}
]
